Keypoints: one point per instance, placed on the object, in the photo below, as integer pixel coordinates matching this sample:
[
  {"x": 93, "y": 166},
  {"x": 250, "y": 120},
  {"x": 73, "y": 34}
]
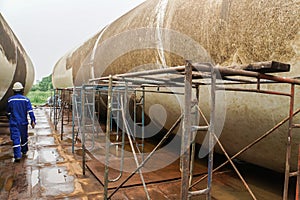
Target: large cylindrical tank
[
  {"x": 162, "y": 33},
  {"x": 15, "y": 64}
]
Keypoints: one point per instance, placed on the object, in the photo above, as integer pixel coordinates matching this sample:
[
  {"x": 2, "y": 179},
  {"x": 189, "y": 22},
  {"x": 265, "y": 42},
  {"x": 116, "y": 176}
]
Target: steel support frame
[
  {"x": 56, "y": 108},
  {"x": 66, "y": 101},
  {"x": 289, "y": 135},
  {"x": 108, "y": 143},
  {"x": 82, "y": 122},
  {"x": 60, "y": 101},
  {"x": 186, "y": 137},
  {"x": 186, "y": 160},
  {"x": 76, "y": 114}
]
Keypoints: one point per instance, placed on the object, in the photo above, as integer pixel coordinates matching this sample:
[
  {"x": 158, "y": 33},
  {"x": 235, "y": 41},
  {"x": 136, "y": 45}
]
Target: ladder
[
  {"x": 56, "y": 108},
  {"x": 139, "y": 127},
  {"x": 87, "y": 119},
  {"x": 121, "y": 108},
  {"x": 76, "y": 117},
  {"x": 115, "y": 116},
  {"x": 189, "y": 131},
  {"x": 115, "y": 113}
]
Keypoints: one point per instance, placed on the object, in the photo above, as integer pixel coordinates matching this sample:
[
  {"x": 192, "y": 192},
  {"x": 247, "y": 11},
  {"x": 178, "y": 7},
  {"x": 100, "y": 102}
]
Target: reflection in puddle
[
  {"x": 49, "y": 155},
  {"x": 45, "y": 141},
  {"x": 35, "y": 155},
  {"x": 56, "y": 181},
  {"x": 34, "y": 177},
  {"x": 43, "y": 131},
  {"x": 43, "y": 121}
]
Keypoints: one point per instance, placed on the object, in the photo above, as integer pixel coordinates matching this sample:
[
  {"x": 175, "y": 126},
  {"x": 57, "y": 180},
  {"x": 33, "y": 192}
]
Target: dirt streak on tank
[{"x": 15, "y": 64}]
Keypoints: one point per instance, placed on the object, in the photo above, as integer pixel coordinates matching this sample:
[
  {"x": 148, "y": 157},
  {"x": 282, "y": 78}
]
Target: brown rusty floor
[{"x": 51, "y": 171}]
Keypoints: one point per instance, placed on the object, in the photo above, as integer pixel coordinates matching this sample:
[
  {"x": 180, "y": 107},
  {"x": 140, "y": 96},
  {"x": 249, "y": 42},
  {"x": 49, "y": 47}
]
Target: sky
[{"x": 48, "y": 29}]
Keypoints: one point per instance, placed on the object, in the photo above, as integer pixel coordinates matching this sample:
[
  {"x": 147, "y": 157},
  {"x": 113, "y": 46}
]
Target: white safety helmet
[{"x": 17, "y": 86}]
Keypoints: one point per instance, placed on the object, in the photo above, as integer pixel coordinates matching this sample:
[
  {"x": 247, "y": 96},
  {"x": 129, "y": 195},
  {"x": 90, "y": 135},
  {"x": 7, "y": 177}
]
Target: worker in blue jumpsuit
[{"x": 17, "y": 109}]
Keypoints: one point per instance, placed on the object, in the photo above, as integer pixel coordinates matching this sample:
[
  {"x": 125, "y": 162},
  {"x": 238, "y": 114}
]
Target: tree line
[{"x": 44, "y": 85}]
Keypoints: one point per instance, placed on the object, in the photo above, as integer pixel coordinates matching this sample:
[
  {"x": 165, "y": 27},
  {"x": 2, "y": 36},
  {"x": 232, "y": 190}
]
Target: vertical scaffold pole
[
  {"x": 288, "y": 147},
  {"x": 185, "y": 140},
  {"x": 55, "y": 100},
  {"x": 51, "y": 101},
  {"x": 298, "y": 176},
  {"x": 135, "y": 113},
  {"x": 93, "y": 114},
  {"x": 194, "y": 133},
  {"x": 143, "y": 123},
  {"x": 211, "y": 131},
  {"x": 82, "y": 127},
  {"x": 63, "y": 99},
  {"x": 73, "y": 119},
  {"x": 107, "y": 137}
]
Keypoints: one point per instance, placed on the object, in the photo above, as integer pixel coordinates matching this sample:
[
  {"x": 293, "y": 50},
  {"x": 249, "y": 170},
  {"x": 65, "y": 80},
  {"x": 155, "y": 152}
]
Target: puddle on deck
[
  {"x": 55, "y": 180},
  {"x": 49, "y": 155},
  {"x": 44, "y": 141},
  {"x": 43, "y": 131},
  {"x": 35, "y": 177}
]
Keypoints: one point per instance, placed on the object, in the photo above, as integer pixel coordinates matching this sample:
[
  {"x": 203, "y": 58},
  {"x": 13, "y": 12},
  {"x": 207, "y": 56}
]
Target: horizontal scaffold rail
[{"x": 257, "y": 70}]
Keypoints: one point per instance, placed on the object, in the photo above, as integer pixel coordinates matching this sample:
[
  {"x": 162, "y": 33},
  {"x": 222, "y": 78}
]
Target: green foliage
[
  {"x": 38, "y": 98},
  {"x": 41, "y": 91},
  {"x": 44, "y": 85}
]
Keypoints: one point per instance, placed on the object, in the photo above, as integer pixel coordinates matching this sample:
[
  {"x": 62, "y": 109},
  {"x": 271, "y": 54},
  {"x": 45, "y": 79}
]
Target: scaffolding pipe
[
  {"x": 194, "y": 133},
  {"x": 206, "y": 67},
  {"x": 107, "y": 137},
  {"x": 62, "y": 114},
  {"x": 134, "y": 113},
  {"x": 225, "y": 71},
  {"x": 141, "y": 103},
  {"x": 143, "y": 123},
  {"x": 55, "y": 109},
  {"x": 145, "y": 73},
  {"x": 82, "y": 129},
  {"x": 134, "y": 154},
  {"x": 298, "y": 176},
  {"x": 186, "y": 139},
  {"x": 75, "y": 109},
  {"x": 73, "y": 119},
  {"x": 289, "y": 142},
  {"x": 254, "y": 90},
  {"x": 118, "y": 110},
  {"x": 211, "y": 131}
]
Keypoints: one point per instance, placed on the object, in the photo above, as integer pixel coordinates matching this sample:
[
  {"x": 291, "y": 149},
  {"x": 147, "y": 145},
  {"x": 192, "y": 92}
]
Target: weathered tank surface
[
  {"x": 15, "y": 64},
  {"x": 162, "y": 33}
]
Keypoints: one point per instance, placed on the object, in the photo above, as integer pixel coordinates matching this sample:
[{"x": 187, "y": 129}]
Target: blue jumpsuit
[{"x": 18, "y": 108}]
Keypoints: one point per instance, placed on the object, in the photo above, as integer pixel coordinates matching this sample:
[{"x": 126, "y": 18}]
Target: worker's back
[{"x": 18, "y": 106}]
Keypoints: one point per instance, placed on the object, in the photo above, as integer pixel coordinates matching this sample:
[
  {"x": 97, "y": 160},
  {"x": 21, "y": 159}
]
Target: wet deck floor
[{"x": 51, "y": 171}]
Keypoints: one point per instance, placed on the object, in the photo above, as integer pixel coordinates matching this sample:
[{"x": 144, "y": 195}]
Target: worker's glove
[{"x": 32, "y": 124}]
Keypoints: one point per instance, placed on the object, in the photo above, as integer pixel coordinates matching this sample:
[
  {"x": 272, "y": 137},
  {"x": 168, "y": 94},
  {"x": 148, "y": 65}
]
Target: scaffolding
[
  {"x": 118, "y": 87},
  {"x": 61, "y": 107}
]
